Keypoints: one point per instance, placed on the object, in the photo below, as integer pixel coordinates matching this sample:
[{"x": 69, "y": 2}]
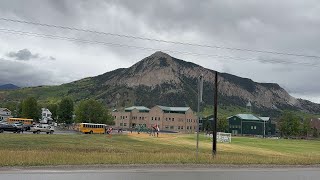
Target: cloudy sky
[{"x": 290, "y": 26}]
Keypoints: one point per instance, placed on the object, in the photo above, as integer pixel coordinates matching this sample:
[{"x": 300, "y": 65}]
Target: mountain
[
  {"x": 165, "y": 80},
  {"x": 8, "y": 87}
]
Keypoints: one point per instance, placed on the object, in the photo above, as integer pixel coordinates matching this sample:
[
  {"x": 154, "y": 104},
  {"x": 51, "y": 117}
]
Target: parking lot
[{"x": 55, "y": 132}]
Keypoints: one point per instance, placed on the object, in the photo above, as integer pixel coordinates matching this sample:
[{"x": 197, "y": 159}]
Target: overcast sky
[{"x": 290, "y": 26}]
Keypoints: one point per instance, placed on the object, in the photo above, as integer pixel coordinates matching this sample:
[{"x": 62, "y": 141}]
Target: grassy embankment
[{"x": 33, "y": 150}]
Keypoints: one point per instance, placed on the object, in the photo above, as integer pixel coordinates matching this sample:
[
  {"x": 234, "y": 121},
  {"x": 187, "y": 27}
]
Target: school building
[
  {"x": 249, "y": 124},
  {"x": 178, "y": 119}
]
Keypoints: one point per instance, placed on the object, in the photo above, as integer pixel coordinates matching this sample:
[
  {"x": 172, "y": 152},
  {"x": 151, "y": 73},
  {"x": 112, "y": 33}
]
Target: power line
[
  {"x": 159, "y": 40},
  {"x": 48, "y": 36}
]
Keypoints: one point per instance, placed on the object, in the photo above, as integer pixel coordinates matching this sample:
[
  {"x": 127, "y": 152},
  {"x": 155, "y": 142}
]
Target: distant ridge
[{"x": 8, "y": 87}]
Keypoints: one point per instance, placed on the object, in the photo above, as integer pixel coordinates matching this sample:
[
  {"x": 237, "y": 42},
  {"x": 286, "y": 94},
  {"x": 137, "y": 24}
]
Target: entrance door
[{"x": 234, "y": 132}]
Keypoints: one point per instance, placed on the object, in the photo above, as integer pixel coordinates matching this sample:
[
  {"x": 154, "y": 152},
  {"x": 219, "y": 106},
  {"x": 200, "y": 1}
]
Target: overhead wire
[
  {"x": 49, "y": 36},
  {"x": 158, "y": 40}
]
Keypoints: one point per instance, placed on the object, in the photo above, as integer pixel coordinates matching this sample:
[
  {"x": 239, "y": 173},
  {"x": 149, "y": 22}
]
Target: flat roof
[
  {"x": 251, "y": 117},
  {"x": 178, "y": 109},
  {"x": 140, "y": 108}
]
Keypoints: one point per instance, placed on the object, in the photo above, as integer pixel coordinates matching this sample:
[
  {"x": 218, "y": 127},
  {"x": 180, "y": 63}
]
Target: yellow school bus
[
  {"x": 92, "y": 128},
  {"x": 22, "y": 120}
]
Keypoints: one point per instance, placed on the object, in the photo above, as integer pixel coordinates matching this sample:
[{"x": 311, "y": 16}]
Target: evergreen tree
[
  {"x": 315, "y": 132},
  {"x": 289, "y": 124},
  {"x": 306, "y": 128},
  {"x": 53, "y": 108},
  {"x": 92, "y": 111},
  {"x": 30, "y": 109},
  {"x": 65, "y": 111}
]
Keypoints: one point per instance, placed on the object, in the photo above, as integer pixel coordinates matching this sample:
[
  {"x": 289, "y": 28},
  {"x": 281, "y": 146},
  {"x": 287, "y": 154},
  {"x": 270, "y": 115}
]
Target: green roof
[
  {"x": 140, "y": 108},
  {"x": 176, "y": 109},
  {"x": 252, "y": 117}
]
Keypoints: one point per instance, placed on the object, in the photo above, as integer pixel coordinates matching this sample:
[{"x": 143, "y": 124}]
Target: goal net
[{"x": 223, "y": 137}]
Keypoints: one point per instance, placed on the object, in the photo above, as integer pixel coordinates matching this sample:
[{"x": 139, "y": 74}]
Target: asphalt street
[{"x": 162, "y": 173}]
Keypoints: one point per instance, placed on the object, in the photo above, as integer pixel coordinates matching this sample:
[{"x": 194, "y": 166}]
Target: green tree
[
  {"x": 92, "y": 111},
  {"x": 54, "y": 110},
  {"x": 289, "y": 124},
  {"x": 315, "y": 132},
  {"x": 65, "y": 111},
  {"x": 30, "y": 109},
  {"x": 222, "y": 124},
  {"x": 306, "y": 127}
]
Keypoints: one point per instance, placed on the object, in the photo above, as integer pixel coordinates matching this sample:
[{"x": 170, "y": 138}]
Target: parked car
[
  {"x": 36, "y": 129},
  {"x": 10, "y": 127}
]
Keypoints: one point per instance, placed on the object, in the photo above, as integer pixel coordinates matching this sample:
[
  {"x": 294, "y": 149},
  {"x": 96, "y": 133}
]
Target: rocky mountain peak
[
  {"x": 160, "y": 54},
  {"x": 170, "y": 78}
]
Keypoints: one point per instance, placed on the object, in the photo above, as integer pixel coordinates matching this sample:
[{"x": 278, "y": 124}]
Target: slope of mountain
[
  {"x": 162, "y": 79},
  {"x": 8, "y": 87}
]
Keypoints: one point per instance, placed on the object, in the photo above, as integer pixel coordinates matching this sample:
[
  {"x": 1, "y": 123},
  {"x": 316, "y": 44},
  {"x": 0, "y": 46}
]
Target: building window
[
  {"x": 178, "y": 127},
  {"x": 140, "y": 118},
  {"x": 124, "y": 124},
  {"x": 167, "y": 127},
  {"x": 126, "y": 117},
  {"x": 169, "y": 119},
  {"x": 166, "y": 119},
  {"x": 152, "y": 118},
  {"x": 121, "y": 124},
  {"x": 171, "y": 127},
  {"x": 181, "y": 127},
  {"x": 158, "y": 118},
  {"x": 255, "y": 127},
  {"x": 172, "y": 119}
]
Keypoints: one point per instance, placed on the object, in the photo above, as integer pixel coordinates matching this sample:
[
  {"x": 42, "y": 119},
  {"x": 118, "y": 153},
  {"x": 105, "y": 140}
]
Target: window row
[
  {"x": 155, "y": 118},
  {"x": 235, "y": 126},
  {"x": 190, "y": 120},
  {"x": 123, "y": 124},
  {"x": 167, "y": 127},
  {"x": 253, "y": 127},
  {"x": 169, "y": 119},
  {"x": 190, "y": 127}
]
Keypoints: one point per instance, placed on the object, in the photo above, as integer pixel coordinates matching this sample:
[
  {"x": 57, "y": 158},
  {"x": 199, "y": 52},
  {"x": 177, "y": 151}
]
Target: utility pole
[
  {"x": 200, "y": 89},
  {"x": 264, "y": 128},
  {"x": 214, "y": 142}
]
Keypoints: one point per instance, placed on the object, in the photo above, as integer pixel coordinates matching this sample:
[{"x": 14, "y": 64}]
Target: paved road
[{"x": 164, "y": 173}]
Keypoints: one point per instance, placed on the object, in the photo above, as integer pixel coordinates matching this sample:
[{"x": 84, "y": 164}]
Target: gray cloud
[
  {"x": 23, "y": 54},
  {"x": 23, "y": 74},
  {"x": 26, "y": 55}
]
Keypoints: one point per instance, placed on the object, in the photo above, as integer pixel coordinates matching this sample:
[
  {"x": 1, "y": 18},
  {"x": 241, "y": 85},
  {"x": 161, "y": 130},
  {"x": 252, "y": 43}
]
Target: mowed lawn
[{"x": 76, "y": 149}]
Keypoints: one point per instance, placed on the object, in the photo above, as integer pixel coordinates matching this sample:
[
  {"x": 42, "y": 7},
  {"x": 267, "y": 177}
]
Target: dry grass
[{"x": 33, "y": 150}]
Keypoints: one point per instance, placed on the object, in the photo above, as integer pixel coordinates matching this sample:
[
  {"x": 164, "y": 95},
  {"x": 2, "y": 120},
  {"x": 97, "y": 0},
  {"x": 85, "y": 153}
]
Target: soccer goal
[{"x": 223, "y": 137}]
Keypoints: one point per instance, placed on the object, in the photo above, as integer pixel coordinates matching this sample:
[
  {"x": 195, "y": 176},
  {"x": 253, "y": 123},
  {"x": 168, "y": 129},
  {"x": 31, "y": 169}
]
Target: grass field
[{"x": 34, "y": 150}]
